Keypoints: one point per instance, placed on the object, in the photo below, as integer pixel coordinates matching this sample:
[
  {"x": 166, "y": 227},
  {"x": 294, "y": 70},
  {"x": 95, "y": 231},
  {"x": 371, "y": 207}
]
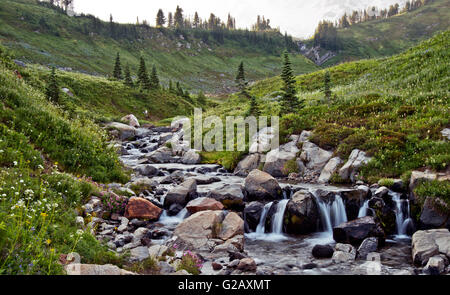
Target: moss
[{"x": 290, "y": 166}]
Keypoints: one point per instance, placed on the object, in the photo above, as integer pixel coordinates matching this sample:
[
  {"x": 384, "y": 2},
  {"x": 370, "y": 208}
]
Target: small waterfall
[
  {"x": 166, "y": 219},
  {"x": 363, "y": 210},
  {"x": 261, "y": 228},
  {"x": 402, "y": 220},
  {"x": 338, "y": 211},
  {"x": 277, "y": 218},
  {"x": 331, "y": 214}
]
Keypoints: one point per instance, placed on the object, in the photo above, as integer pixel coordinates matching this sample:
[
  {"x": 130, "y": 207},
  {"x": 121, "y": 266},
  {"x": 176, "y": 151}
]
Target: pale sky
[{"x": 298, "y": 17}]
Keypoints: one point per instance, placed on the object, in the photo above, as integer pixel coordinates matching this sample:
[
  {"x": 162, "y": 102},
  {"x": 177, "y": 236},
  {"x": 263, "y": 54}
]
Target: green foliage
[
  {"x": 128, "y": 80},
  {"x": 143, "y": 79},
  {"x": 241, "y": 83},
  {"x": 289, "y": 101},
  {"x": 148, "y": 266},
  {"x": 154, "y": 80},
  {"x": 52, "y": 90},
  {"x": 117, "y": 73},
  {"x": 191, "y": 263},
  {"x": 435, "y": 189},
  {"x": 327, "y": 86}
]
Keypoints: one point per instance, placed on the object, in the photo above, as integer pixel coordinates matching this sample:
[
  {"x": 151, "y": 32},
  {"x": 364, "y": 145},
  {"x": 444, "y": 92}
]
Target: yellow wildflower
[
  {"x": 43, "y": 214},
  {"x": 48, "y": 241}
]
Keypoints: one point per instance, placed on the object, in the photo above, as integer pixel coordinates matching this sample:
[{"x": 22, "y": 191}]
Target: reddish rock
[
  {"x": 247, "y": 264},
  {"x": 142, "y": 209},
  {"x": 203, "y": 204},
  {"x": 216, "y": 266}
]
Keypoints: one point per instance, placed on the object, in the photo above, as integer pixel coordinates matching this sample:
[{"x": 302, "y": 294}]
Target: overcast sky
[{"x": 298, "y": 17}]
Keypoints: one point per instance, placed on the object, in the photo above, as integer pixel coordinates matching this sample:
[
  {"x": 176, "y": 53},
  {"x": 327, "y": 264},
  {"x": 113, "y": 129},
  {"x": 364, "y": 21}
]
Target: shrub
[
  {"x": 191, "y": 263},
  {"x": 114, "y": 203}
]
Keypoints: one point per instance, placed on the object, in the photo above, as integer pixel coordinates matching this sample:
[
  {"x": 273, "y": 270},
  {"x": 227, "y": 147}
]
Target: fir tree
[
  {"x": 241, "y": 83},
  {"x": 171, "y": 89},
  {"x": 201, "y": 98},
  {"x": 179, "y": 90},
  {"x": 128, "y": 81},
  {"x": 143, "y": 80},
  {"x": 52, "y": 89},
  {"x": 254, "y": 108},
  {"x": 327, "y": 86},
  {"x": 178, "y": 18},
  {"x": 117, "y": 68},
  {"x": 289, "y": 101},
  {"x": 160, "y": 19},
  {"x": 196, "y": 20},
  {"x": 154, "y": 80}
]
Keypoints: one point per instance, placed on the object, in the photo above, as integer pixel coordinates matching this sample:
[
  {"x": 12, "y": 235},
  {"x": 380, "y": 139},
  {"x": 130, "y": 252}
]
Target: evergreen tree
[
  {"x": 201, "y": 98},
  {"x": 178, "y": 18},
  {"x": 52, "y": 89},
  {"x": 179, "y": 90},
  {"x": 160, "y": 18},
  {"x": 154, "y": 80},
  {"x": 117, "y": 68},
  {"x": 327, "y": 86},
  {"x": 241, "y": 83},
  {"x": 128, "y": 81},
  {"x": 254, "y": 108},
  {"x": 170, "y": 20},
  {"x": 143, "y": 80},
  {"x": 289, "y": 101},
  {"x": 171, "y": 89},
  {"x": 196, "y": 23}
]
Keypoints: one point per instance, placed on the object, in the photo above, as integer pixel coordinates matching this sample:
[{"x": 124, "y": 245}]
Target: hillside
[
  {"x": 393, "y": 108},
  {"x": 386, "y": 37},
  {"x": 38, "y": 34}
]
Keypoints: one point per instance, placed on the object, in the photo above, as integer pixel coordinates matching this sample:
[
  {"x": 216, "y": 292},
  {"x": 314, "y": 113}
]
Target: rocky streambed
[{"x": 248, "y": 222}]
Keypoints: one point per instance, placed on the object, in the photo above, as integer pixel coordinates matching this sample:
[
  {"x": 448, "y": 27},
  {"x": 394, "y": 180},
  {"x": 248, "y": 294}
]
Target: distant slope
[
  {"x": 41, "y": 35},
  {"x": 393, "y": 108},
  {"x": 379, "y": 38}
]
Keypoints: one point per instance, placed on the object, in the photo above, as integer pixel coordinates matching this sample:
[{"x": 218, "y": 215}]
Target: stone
[
  {"x": 232, "y": 225},
  {"x": 125, "y": 131},
  {"x": 165, "y": 268},
  {"x": 203, "y": 204},
  {"x": 156, "y": 251},
  {"x": 216, "y": 266},
  {"x": 435, "y": 266},
  {"x": 369, "y": 245},
  {"x": 142, "y": 209},
  {"x": 195, "y": 231},
  {"x": 146, "y": 170},
  {"x": 190, "y": 157},
  {"x": 139, "y": 254},
  {"x": 261, "y": 141},
  {"x": 329, "y": 169},
  {"x": 95, "y": 270},
  {"x": 161, "y": 155},
  {"x": 248, "y": 164},
  {"x": 322, "y": 251},
  {"x": 252, "y": 214},
  {"x": 356, "y": 160},
  {"x": 431, "y": 216},
  {"x": 131, "y": 120},
  {"x": 354, "y": 232},
  {"x": 343, "y": 253},
  {"x": 247, "y": 264},
  {"x": 429, "y": 243},
  {"x": 418, "y": 176},
  {"x": 181, "y": 194},
  {"x": 314, "y": 157},
  {"x": 262, "y": 186},
  {"x": 446, "y": 133},
  {"x": 230, "y": 195},
  {"x": 79, "y": 221},
  {"x": 276, "y": 159},
  {"x": 304, "y": 136},
  {"x": 301, "y": 213}
]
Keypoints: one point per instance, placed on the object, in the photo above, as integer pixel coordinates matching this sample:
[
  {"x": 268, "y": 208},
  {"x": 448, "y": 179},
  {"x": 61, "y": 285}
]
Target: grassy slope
[
  {"x": 210, "y": 68},
  {"x": 394, "y": 108},
  {"x": 391, "y": 36}
]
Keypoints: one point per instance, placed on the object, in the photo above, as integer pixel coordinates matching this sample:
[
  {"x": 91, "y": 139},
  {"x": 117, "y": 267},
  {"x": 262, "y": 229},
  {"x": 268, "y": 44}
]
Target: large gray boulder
[
  {"x": 329, "y": 169},
  {"x": 262, "y": 186},
  {"x": 277, "y": 159},
  {"x": 301, "y": 214},
  {"x": 131, "y": 120},
  {"x": 433, "y": 217},
  {"x": 261, "y": 141},
  {"x": 181, "y": 194},
  {"x": 356, "y": 160},
  {"x": 354, "y": 232},
  {"x": 125, "y": 131},
  {"x": 252, "y": 214},
  {"x": 230, "y": 195},
  {"x": 161, "y": 155},
  {"x": 249, "y": 163},
  {"x": 314, "y": 157},
  {"x": 428, "y": 243}
]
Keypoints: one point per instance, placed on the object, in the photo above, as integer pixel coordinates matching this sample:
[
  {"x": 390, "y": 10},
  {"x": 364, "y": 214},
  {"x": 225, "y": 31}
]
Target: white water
[
  {"x": 261, "y": 228},
  {"x": 278, "y": 217},
  {"x": 331, "y": 213},
  {"x": 277, "y": 224},
  {"x": 173, "y": 220},
  {"x": 363, "y": 210},
  {"x": 402, "y": 220}
]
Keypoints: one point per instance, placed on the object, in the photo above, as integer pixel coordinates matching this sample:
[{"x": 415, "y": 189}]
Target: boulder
[
  {"x": 142, "y": 209},
  {"x": 125, "y": 131},
  {"x": 418, "y": 176},
  {"x": 203, "y": 204},
  {"x": 232, "y": 225},
  {"x": 261, "y": 142},
  {"x": 304, "y": 136},
  {"x": 428, "y": 243},
  {"x": 248, "y": 164},
  {"x": 252, "y": 214},
  {"x": 301, "y": 213},
  {"x": 139, "y": 254},
  {"x": 230, "y": 195},
  {"x": 354, "y": 232},
  {"x": 190, "y": 157},
  {"x": 369, "y": 245},
  {"x": 355, "y": 161},
  {"x": 161, "y": 155},
  {"x": 435, "y": 266},
  {"x": 247, "y": 264},
  {"x": 146, "y": 170},
  {"x": 195, "y": 231},
  {"x": 181, "y": 194},
  {"x": 314, "y": 157},
  {"x": 344, "y": 253},
  {"x": 262, "y": 186},
  {"x": 131, "y": 120},
  {"x": 329, "y": 169},
  {"x": 431, "y": 216},
  {"x": 446, "y": 133},
  {"x": 322, "y": 251},
  {"x": 95, "y": 270},
  {"x": 276, "y": 159}
]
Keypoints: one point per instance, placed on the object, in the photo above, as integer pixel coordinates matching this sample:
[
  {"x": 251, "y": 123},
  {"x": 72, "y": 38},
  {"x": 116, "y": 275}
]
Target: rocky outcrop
[
  {"x": 428, "y": 243},
  {"x": 131, "y": 120},
  {"x": 262, "y": 186},
  {"x": 301, "y": 213},
  {"x": 181, "y": 194},
  {"x": 142, "y": 209},
  {"x": 356, "y": 160},
  {"x": 329, "y": 169},
  {"x": 248, "y": 164},
  {"x": 354, "y": 232},
  {"x": 277, "y": 159},
  {"x": 432, "y": 215},
  {"x": 314, "y": 157},
  {"x": 203, "y": 204}
]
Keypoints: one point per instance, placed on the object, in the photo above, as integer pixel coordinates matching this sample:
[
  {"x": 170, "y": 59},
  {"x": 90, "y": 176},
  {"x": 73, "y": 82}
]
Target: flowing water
[
  {"x": 364, "y": 209},
  {"x": 402, "y": 215}
]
